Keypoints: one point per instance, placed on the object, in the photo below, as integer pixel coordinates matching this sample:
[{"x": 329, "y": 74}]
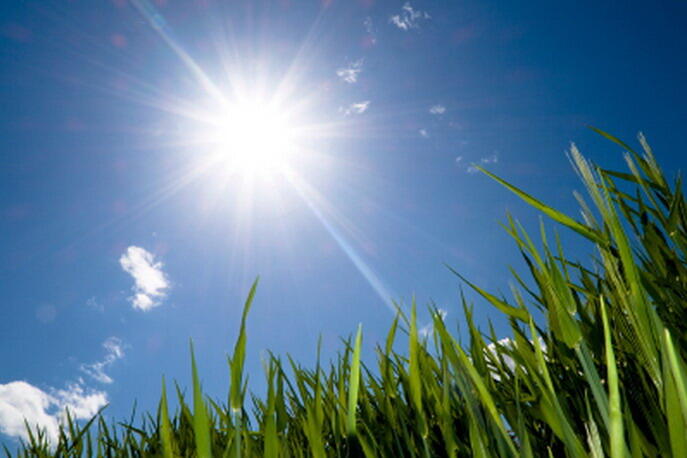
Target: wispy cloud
[
  {"x": 114, "y": 350},
  {"x": 437, "y": 109},
  {"x": 423, "y": 133},
  {"x": 22, "y": 402},
  {"x": 350, "y": 73},
  {"x": 356, "y": 108},
  {"x": 409, "y": 18},
  {"x": 493, "y": 159},
  {"x": 92, "y": 303},
  {"x": 151, "y": 283},
  {"x": 369, "y": 28}
]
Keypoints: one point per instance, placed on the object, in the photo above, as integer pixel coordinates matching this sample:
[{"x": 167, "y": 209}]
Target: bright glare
[{"x": 252, "y": 138}]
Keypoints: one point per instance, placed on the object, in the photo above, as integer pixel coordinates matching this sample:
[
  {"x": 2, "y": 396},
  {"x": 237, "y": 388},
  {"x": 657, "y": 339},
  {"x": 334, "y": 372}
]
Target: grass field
[{"x": 601, "y": 374}]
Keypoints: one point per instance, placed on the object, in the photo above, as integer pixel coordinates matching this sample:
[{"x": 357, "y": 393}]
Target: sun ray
[
  {"x": 159, "y": 24},
  {"x": 319, "y": 207},
  {"x": 255, "y": 131}
]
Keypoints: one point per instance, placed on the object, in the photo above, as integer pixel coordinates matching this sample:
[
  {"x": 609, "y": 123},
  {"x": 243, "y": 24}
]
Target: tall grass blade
[
  {"x": 165, "y": 426},
  {"x": 615, "y": 414},
  {"x": 549, "y": 211},
  {"x": 354, "y": 383},
  {"x": 201, "y": 423}
]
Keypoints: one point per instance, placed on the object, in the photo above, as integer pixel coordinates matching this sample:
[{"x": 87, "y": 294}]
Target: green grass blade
[
  {"x": 462, "y": 363},
  {"x": 520, "y": 314},
  {"x": 593, "y": 381},
  {"x": 550, "y": 212},
  {"x": 201, "y": 424},
  {"x": 615, "y": 414},
  {"x": 675, "y": 397},
  {"x": 165, "y": 426},
  {"x": 354, "y": 383},
  {"x": 236, "y": 389},
  {"x": 611, "y": 138},
  {"x": 239, "y": 355},
  {"x": 415, "y": 379},
  {"x": 271, "y": 438},
  {"x": 677, "y": 367}
]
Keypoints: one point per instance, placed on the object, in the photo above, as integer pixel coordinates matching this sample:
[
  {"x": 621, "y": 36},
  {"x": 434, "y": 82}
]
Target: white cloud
[
  {"x": 428, "y": 329},
  {"x": 46, "y": 410},
  {"x": 408, "y": 18},
  {"x": 505, "y": 346},
  {"x": 350, "y": 73},
  {"x": 143, "y": 301},
  {"x": 424, "y": 133},
  {"x": 20, "y": 401},
  {"x": 506, "y": 343},
  {"x": 151, "y": 283},
  {"x": 491, "y": 351},
  {"x": 437, "y": 109},
  {"x": 459, "y": 159},
  {"x": 356, "y": 108},
  {"x": 114, "y": 351},
  {"x": 81, "y": 403}
]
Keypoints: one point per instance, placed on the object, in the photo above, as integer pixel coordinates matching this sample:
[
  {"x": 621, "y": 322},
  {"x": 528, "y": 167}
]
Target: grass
[{"x": 601, "y": 374}]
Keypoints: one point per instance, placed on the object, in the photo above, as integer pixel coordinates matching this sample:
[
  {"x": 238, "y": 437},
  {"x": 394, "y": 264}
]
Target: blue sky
[{"x": 122, "y": 235}]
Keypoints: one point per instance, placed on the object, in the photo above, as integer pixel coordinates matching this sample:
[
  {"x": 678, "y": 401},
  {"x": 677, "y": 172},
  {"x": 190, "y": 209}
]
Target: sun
[{"x": 251, "y": 137}]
